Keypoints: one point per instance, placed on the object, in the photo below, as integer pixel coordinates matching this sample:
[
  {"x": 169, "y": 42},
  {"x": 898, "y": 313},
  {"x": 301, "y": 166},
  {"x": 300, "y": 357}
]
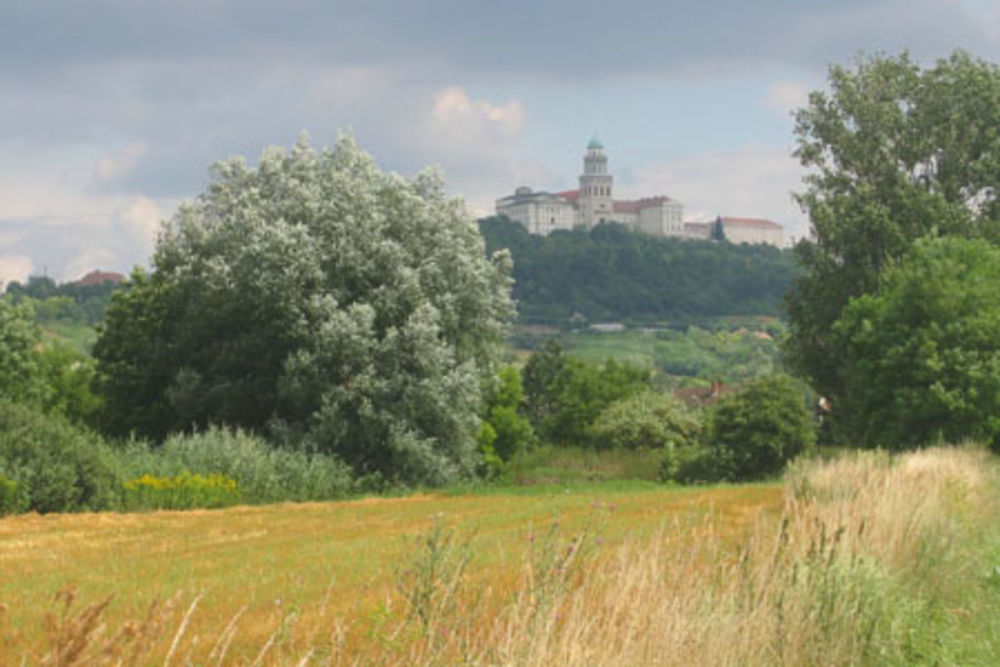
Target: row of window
[{"x": 597, "y": 191}]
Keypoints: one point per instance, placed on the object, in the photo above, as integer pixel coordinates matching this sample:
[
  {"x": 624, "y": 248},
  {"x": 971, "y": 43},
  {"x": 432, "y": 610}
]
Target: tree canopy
[
  {"x": 314, "y": 297},
  {"x": 892, "y": 152},
  {"x": 921, "y": 357},
  {"x": 611, "y": 273}
]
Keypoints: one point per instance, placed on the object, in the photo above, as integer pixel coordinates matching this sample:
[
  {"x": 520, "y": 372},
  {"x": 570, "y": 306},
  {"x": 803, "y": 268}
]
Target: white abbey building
[{"x": 593, "y": 203}]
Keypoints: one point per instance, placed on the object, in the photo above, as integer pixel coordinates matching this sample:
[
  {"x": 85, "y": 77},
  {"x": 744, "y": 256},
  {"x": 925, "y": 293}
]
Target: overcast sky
[{"x": 111, "y": 111}]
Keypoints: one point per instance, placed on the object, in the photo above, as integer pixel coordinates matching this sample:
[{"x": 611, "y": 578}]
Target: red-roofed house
[{"x": 98, "y": 277}]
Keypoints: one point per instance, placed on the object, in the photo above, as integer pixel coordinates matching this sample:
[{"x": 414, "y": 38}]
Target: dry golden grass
[
  {"x": 845, "y": 570},
  {"x": 308, "y": 572}
]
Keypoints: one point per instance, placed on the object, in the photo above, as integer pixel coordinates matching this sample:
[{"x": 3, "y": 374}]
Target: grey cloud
[{"x": 568, "y": 39}]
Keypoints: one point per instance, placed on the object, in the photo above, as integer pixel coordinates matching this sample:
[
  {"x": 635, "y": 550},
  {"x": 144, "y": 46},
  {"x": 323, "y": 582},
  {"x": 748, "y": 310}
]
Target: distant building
[
  {"x": 740, "y": 230},
  {"x": 593, "y": 203},
  {"x": 97, "y": 277}
]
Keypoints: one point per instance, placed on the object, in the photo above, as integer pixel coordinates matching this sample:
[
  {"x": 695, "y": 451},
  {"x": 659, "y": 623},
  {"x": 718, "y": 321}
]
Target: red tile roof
[
  {"x": 97, "y": 277},
  {"x": 569, "y": 195}
]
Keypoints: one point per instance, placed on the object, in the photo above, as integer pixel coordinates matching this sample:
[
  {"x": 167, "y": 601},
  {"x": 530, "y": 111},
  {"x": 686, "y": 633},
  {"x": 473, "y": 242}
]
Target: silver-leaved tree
[{"x": 321, "y": 301}]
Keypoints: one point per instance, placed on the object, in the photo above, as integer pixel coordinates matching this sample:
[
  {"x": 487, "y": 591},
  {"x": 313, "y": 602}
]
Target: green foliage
[
  {"x": 10, "y": 497},
  {"x": 921, "y": 360},
  {"x": 729, "y": 353},
  {"x": 63, "y": 305},
  {"x": 610, "y": 273},
  {"x": 58, "y": 467},
  {"x": 66, "y": 377},
  {"x": 19, "y": 371},
  {"x": 752, "y": 434},
  {"x": 512, "y": 431},
  {"x": 648, "y": 420},
  {"x": 893, "y": 152},
  {"x": 183, "y": 491},
  {"x": 431, "y": 578},
  {"x": 313, "y": 297},
  {"x": 695, "y": 464},
  {"x": 570, "y": 466},
  {"x": 566, "y": 395},
  {"x": 538, "y": 379},
  {"x": 264, "y": 473}
]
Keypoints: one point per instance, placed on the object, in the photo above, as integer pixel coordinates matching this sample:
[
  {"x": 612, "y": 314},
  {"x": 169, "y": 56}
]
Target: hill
[{"x": 613, "y": 274}]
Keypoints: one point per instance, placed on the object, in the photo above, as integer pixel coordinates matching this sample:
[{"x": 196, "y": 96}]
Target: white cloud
[
  {"x": 112, "y": 167},
  {"x": 752, "y": 181},
  {"x": 785, "y": 97},
  {"x": 144, "y": 216},
  {"x": 14, "y": 267},
  {"x": 455, "y": 114}
]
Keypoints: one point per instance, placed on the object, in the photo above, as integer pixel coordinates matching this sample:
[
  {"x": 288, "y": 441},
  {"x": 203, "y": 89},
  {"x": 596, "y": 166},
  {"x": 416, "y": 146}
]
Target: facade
[
  {"x": 740, "y": 230},
  {"x": 593, "y": 203}
]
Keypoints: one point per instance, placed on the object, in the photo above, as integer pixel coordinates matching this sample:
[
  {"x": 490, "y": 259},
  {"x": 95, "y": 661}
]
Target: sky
[{"x": 112, "y": 111}]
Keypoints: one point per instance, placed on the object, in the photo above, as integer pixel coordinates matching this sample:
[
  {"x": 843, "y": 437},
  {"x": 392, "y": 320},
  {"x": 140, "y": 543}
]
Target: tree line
[{"x": 613, "y": 274}]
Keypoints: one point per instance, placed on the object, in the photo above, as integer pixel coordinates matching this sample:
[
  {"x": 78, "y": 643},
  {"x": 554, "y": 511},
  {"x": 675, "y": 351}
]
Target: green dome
[{"x": 595, "y": 143}]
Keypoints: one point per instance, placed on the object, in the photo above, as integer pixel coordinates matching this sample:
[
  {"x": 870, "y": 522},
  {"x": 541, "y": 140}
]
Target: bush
[
  {"x": 696, "y": 464},
  {"x": 10, "y": 500},
  {"x": 184, "y": 491},
  {"x": 648, "y": 420},
  {"x": 264, "y": 474},
  {"x": 754, "y": 433},
  {"x": 56, "y": 466}
]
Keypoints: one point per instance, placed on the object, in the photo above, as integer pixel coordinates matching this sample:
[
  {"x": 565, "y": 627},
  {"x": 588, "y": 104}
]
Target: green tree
[
  {"x": 539, "y": 376},
  {"x": 754, "y": 433},
  {"x": 339, "y": 308},
  {"x": 581, "y": 392},
  {"x": 718, "y": 230},
  {"x": 19, "y": 366},
  {"x": 506, "y": 432},
  {"x": 922, "y": 357},
  {"x": 893, "y": 152}
]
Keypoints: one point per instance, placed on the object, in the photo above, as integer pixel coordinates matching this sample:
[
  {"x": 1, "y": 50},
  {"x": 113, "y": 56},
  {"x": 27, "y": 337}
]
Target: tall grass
[
  {"x": 264, "y": 473},
  {"x": 874, "y": 561}
]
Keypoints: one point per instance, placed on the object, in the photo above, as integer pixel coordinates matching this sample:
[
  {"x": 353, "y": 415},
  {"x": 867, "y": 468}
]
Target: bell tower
[{"x": 596, "y": 202}]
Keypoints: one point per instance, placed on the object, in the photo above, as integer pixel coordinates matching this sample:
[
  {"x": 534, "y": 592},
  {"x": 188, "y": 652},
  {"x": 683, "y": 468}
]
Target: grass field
[
  {"x": 315, "y": 561},
  {"x": 864, "y": 559}
]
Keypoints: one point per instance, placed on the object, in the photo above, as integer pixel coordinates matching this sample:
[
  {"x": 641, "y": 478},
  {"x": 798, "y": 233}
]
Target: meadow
[{"x": 863, "y": 560}]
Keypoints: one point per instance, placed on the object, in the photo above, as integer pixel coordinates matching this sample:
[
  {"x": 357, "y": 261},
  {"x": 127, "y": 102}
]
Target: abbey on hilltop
[{"x": 593, "y": 203}]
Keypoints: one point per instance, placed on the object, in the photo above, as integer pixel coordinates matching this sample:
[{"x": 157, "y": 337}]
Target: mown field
[
  {"x": 314, "y": 566},
  {"x": 863, "y": 559}
]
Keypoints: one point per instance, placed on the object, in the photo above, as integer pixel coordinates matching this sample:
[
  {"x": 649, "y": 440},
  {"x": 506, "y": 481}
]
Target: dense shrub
[
  {"x": 263, "y": 473},
  {"x": 56, "y": 466},
  {"x": 754, "y": 433},
  {"x": 650, "y": 419},
  {"x": 695, "y": 464}
]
